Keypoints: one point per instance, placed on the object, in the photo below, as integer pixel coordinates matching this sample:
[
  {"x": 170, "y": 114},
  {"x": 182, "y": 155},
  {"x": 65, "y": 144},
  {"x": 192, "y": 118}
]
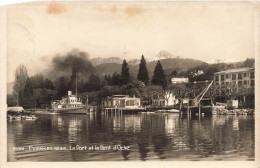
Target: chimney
[{"x": 69, "y": 93}]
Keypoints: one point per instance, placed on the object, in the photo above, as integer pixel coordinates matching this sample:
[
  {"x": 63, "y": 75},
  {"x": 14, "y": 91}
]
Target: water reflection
[{"x": 150, "y": 136}]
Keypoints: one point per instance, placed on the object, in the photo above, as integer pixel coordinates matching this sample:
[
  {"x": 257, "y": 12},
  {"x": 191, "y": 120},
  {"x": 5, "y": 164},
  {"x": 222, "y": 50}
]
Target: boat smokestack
[{"x": 69, "y": 93}]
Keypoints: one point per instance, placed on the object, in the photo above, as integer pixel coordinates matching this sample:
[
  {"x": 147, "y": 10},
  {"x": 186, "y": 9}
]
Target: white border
[{"x": 136, "y": 164}]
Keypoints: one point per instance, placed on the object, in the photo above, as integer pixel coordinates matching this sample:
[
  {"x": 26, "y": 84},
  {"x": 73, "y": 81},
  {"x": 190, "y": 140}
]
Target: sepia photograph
[{"x": 92, "y": 81}]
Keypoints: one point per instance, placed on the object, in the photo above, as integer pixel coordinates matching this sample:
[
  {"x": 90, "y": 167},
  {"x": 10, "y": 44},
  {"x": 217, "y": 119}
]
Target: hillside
[
  {"x": 169, "y": 65},
  {"x": 107, "y": 68}
]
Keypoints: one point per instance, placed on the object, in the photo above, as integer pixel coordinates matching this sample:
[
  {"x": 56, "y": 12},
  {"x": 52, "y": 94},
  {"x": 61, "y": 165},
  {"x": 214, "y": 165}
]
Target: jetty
[{"x": 119, "y": 104}]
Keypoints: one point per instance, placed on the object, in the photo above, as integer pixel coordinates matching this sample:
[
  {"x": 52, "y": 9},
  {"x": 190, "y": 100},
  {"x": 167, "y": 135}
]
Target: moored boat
[
  {"x": 69, "y": 104},
  {"x": 30, "y": 117},
  {"x": 168, "y": 111}
]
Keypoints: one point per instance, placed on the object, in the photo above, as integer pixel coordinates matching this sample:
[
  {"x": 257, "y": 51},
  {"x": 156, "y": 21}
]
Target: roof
[
  {"x": 119, "y": 96},
  {"x": 15, "y": 109},
  {"x": 235, "y": 70}
]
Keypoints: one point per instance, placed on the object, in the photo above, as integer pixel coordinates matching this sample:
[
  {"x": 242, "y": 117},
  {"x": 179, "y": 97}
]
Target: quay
[{"x": 119, "y": 111}]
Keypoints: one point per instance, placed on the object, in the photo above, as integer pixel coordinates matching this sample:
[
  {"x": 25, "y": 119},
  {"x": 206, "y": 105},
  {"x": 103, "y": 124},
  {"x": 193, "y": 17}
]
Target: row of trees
[
  {"x": 30, "y": 91},
  {"x": 36, "y": 90},
  {"x": 125, "y": 78}
]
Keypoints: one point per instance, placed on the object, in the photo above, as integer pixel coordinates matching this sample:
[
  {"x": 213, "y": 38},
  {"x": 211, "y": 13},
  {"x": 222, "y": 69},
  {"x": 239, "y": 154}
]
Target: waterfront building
[
  {"x": 164, "y": 99},
  {"x": 242, "y": 77},
  {"x": 121, "y": 101},
  {"x": 236, "y": 84}
]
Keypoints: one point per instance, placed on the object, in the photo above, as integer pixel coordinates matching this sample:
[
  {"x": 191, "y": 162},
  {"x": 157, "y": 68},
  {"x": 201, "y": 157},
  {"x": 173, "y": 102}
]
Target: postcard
[{"x": 126, "y": 83}]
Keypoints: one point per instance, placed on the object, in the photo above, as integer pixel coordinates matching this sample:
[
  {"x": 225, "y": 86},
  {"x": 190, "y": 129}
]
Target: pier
[{"x": 113, "y": 111}]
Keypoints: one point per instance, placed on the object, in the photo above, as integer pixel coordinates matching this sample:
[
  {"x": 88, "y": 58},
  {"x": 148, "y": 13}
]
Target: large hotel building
[{"x": 243, "y": 77}]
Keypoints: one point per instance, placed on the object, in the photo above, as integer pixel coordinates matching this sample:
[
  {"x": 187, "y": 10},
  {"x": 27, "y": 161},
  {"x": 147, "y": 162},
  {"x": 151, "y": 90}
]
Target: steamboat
[{"x": 69, "y": 104}]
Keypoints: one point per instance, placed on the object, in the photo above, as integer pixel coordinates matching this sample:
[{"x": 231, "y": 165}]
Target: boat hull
[{"x": 70, "y": 111}]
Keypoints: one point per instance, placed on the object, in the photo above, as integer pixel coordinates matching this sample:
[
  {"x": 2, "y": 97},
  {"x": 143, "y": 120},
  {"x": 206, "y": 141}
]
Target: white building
[
  {"x": 121, "y": 101},
  {"x": 244, "y": 77},
  {"x": 179, "y": 80},
  {"x": 164, "y": 100}
]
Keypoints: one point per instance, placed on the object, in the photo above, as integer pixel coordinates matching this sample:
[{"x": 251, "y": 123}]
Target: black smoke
[{"x": 69, "y": 65}]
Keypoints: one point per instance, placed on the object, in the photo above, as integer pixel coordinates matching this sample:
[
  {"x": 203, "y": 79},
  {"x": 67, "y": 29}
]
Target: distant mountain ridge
[
  {"x": 169, "y": 65},
  {"x": 98, "y": 60}
]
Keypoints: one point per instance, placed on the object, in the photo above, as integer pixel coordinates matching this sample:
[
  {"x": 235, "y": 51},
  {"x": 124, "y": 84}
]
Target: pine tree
[
  {"x": 159, "y": 76},
  {"x": 125, "y": 75},
  {"x": 143, "y": 72},
  {"x": 115, "y": 79}
]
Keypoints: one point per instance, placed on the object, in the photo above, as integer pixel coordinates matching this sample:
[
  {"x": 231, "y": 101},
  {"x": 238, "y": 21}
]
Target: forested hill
[{"x": 169, "y": 65}]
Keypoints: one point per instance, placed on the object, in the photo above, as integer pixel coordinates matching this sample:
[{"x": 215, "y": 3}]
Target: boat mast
[{"x": 76, "y": 85}]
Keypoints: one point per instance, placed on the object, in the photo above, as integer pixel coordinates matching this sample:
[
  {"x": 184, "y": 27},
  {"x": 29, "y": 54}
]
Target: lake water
[{"x": 139, "y": 136}]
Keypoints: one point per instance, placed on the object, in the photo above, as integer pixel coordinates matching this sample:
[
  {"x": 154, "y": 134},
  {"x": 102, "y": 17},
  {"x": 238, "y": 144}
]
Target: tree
[
  {"x": 143, "y": 72},
  {"x": 116, "y": 79},
  {"x": 28, "y": 100},
  {"x": 249, "y": 62},
  {"x": 28, "y": 90},
  {"x": 174, "y": 73},
  {"x": 125, "y": 75},
  {"x": 21, "y": 76},
  {"x": 159, "y": 76},
  {"x": 108, "y": 79},
  {"x": 135, "y": 88},
  {"x": 38, "y": 81},
  {"x": 93, "y": 83},
  {"x": 48, "y": 84}
]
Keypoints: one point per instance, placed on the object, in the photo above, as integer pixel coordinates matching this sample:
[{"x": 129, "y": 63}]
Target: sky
[{"x": 38, "y": 31}]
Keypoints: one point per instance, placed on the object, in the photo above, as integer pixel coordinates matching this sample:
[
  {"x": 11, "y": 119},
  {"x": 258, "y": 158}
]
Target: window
[
  {"x": 222, "y": 77},
  {"x": 216, "y": 78},
  {"x": 222, "y": 83},
  {"x": 216, "y": 83},
  {"x": 240, "y": 83},
  {"x": 245, "y": 82},
  {"x": 130, "y": 103},
  {"x": 240, "y": 76},
  {"x": 252, "y": 74},
  {"x": 245, "y": 74},
  {"x": 227, "y": 83},
  {"x": 227, "y": 76},
  {"x": 252, "y": 83},
  {"x": 234, "y": 76}
]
